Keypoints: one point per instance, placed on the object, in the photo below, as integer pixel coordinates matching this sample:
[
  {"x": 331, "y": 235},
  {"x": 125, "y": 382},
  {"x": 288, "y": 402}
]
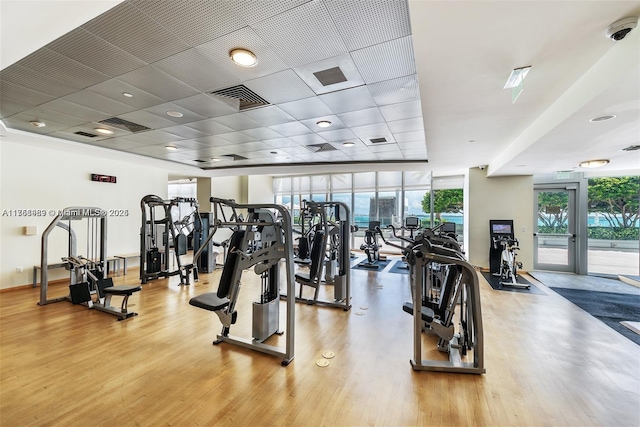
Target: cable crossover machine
[
  {"x": 261, "y": 241},
  {"x": 87, "y": 273}
]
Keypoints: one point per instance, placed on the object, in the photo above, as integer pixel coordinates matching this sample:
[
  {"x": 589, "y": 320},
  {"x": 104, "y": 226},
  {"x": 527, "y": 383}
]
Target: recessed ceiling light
[
  {"x": 243, "y": 57},
  {"x": 175, "y": 114},
  {"x": 171, "y": 147},
  {"x": 323, "y": 123},
  {"x": 602, "y": 118},
  {"x": 104, "y": 131},
  {"x": 215, "y": 159},
  {"x": 348, "y": 144},
  {"x": 516, "y": 77},
  {"x": 127, "y": 94},
  {"x": 594, "y": 163},
  {"x": 38, "y": 124}
]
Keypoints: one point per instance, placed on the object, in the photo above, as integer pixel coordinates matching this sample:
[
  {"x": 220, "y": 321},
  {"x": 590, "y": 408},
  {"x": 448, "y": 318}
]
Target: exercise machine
[
  {"x": 458, "y": 303},
  {"x": 371, "y": 247},
  {"x": 330, "y": 252},
  {"x": 162, "y": 236},
  {"x": 262, "y": 241},
  {"x": 87, "y": 273},
  {"x": 503, "y": 253}
]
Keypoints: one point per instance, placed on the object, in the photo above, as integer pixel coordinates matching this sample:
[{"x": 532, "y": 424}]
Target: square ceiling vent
[
  {"x": 320, "y": 148},
  {"x": 247, "y": 98}
]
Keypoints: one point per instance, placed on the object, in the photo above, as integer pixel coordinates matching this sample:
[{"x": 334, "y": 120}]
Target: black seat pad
[
  {"x": 209, "y": 301},
  {"x": 122, "y": 289},
  {"x": 427, "y": 313}
]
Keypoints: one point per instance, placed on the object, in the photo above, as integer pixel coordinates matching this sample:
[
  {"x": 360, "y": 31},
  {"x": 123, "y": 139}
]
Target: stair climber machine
[
  {"x": 457, "y": 303},
  {"x": 164, "y": 235},
  {"x": 260, "y": 242},
  {"x": 503, "y": 253}
]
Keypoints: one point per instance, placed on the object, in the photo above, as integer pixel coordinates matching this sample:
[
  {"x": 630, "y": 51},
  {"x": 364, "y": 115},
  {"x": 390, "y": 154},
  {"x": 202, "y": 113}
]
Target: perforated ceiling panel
[{"x": 146, "y": 58}]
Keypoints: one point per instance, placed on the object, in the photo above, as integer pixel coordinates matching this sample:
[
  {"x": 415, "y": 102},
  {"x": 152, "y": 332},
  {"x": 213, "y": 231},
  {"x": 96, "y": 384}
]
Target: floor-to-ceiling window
[{"x": 612, "y": 225}]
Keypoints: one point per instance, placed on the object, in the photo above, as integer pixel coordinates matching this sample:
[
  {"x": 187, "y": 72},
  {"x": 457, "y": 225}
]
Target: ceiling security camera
[
  {"x": 619, "y": 29},
  {"x": 482, "y": 167}
]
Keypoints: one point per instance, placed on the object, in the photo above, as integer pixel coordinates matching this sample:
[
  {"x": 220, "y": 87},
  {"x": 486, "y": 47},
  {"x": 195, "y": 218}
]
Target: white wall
[
  {"x": 509, "y": 197},
  {"x": 260, "y": 189},
  {"x": 49, "y": 176}
]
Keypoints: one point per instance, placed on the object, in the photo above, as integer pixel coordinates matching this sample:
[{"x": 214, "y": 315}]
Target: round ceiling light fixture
[
  {"x": 602, "y": 118},
  {"x": 175, "y": 114},
  {"x": 216, "y": 159},
  {"x": 38, "y": 124},
  {"x": 323, "y": 123},
  {"x": 171, "y": 147},
  {"x": 243, "y": 57},
  {"x": 348, "y": 144},
  {"x": 104, "y": 131},
  {"x": 594, "y": 163},
  {"x": 127, "y": 95}
]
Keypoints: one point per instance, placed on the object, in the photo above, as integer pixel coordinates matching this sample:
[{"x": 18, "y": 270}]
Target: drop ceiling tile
[
  {"x": 210, "y": 127},
  {"x": 364, "y": 117},
  {"x": 134, "y": 32},
  {"x": 98, "y": 102},
  {"x": 249, "y": 147},
  {"x": 185, "y": 132},
  {"x": 114, "y": 89},
  {"x": 212, "y": 141},
  {"x": 76, "y": 110},
  {"x": 43, "y": 83},
  {"x": 142, "y": 139},
  {"x": 158, "y": 83},
  {"x": 406, "y": 125},
  {"x": 237, "y": 121},
  {"x": 280, "y": 87},
  {"x": 294, "y": 34},
  {"x": 418, "y": 143},
  {"x": 160, "y": 136},
  {"x": 206, "y": 106},
  {"x": 310, "y": 138},
  {"x": 47, "y": 116},
  {"x": 307, "y": 108},
  {"x": 384, "y": 148},
  {"x": 366, "y": 133},
  {"x": 268, "y": 116},
  {"x": 280, "y": 143},
  {"x": 188, "y": 144},
  {"x": 415, "y": 153},
  {"x": 394, "y": 91},
  {"x": 364, "y": 157},
  {"x": 147, "y": 119},
  {"x": 218, "y": 50},
  {"x": 390, "y": 156},
  {"x": 196, "y": 70},
  {"x": 403, "y": 110},
  {"x": 9, "y": 107},
  {"x": 63, "y": 68},
  {"x": 73, "y": 137},
  {"x": 17, "y": 122},
  {"x": 261, "y": 134},
  {"x": 357, "y": 98},
  {"x": 297, "y": 151},
  {"x": 152, "y": 150},
  {"x": 162, "y": 109},
  {"x": 94, "y": 52},
  {"x": 236, "y": 137},
  {"x": 338, "y": 135},
  {"x": 192, "y": 20},
  {"x": 374, "y": 64},
  {"x": 365, "y": 23},
  {"x": 291, "y": 129},
  {"x": 333, "y": 156},
  {"x": 121, "y": 143},
  {"x": 345, "y": 64},
  {"x": 22, "y": 95}
]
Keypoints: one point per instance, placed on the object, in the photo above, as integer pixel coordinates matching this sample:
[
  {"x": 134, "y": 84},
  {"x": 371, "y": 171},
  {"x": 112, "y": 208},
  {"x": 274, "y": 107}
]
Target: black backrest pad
[
  {"x": 447, "y": 291},
  {"x": 230, "y": 264},
  {"x": 317, "y": 253}
]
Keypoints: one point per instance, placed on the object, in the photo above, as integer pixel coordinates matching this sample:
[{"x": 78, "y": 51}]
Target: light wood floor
[{"x": 548, "y": 364}]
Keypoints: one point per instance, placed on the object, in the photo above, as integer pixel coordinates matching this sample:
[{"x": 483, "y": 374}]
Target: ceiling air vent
[
  {"x": 235, "y": 157},
  {"x": 248, "y": 98},
  {"x": 89, "y": 135},
  {"x": 378, "y": 140},
  {"x": 631, "y": 148},
  {"x": 330, "y": 76},
  {"x": 319, "y": 148},
  {"x": 124, "y": 124}
]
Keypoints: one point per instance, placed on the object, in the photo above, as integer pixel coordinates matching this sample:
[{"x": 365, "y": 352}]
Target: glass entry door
[{"x": 555, "y": 230}]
